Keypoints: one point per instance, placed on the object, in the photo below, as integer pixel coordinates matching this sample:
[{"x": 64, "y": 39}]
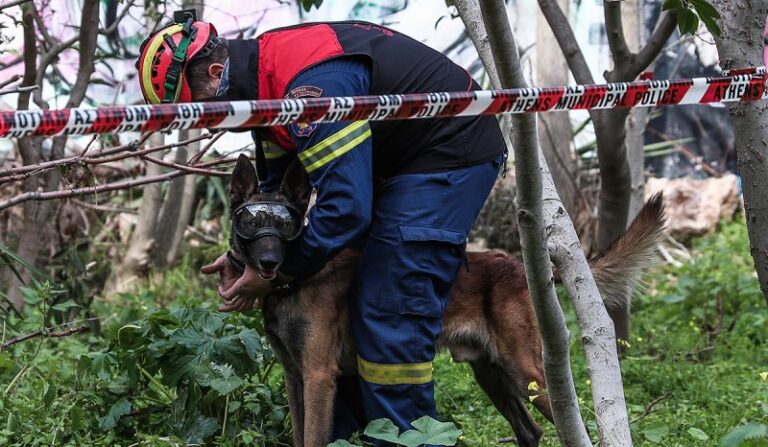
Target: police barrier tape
[{"x": 736, "y": 85}]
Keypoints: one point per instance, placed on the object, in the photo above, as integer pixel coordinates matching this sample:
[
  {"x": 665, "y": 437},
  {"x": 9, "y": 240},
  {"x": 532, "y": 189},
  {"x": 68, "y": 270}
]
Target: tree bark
[
  {"x": 533, "y": 239},
  {"x": 741, "y": 46},
  {"x": 176, "y": 210},
  {"x": 40, "y": 215}
]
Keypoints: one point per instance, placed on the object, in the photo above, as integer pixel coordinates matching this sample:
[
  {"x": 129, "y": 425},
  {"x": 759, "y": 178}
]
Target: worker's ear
[
  {"x": 215, "y": 70},
  {"x": 295, "y": 186}
]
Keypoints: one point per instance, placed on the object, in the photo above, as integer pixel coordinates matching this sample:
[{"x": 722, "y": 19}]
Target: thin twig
[
  {"x": 19, "y": 90},
  {"x": 649, "y": 408},
  {"x": 10, "y": 80},
  {"x": 12, "y": 3},
  {"x": 190, "y": 169},
  {"x": 104, "y": 156},
  {"x": 41, "y": 332},
  {"x": 104, "y": 208},
  {"x": 60, "y": 194},
  {"x": 205, "y": 148}
]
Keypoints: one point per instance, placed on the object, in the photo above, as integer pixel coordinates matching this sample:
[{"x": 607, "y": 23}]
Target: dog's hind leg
[{"x": 496, "y": 384}]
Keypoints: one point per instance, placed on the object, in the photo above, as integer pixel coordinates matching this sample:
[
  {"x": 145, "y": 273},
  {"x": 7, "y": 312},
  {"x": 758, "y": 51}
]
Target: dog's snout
[{"x": 268, "y": 263}]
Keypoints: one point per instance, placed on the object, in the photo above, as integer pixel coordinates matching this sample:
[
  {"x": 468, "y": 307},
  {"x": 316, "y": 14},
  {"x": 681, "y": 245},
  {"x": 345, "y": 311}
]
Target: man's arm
[{"x": 338, "y": 159}]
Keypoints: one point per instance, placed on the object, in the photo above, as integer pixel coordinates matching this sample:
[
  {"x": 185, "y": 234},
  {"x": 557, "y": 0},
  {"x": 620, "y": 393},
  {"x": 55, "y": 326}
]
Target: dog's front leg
[
  {"x": 319, "y": 395},
  {"x": 294, "y": 388}
]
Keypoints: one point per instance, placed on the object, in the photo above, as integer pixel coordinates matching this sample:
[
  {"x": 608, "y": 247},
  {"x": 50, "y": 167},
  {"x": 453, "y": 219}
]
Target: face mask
[{"x": 224, "y": 81}]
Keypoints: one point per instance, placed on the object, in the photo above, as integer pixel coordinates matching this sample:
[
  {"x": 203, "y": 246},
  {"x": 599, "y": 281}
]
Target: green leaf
[
  {"x": 30, "y": 295},
  {"x": 705, "y": 9},
  {"x": 698, "y": 434},
  {"x": 672, "y": 299},
  {"x": 195, "y": 431},
  {"x": 711, "y": 25},
  {"x": 342, "y": 443},
  {"x": 61, "y": 307},
  {"x": 382, "y": 429},
  {"x": 671, "y": 4},
  {"x": 435, "y": 432},
  {"x": 737, "y": 436},
  {"x": 116, "y": 411},
  {"x": 225, "y": 386},
  {"x": 687, "y": 21},
  {"x": 656, "y": 432}
]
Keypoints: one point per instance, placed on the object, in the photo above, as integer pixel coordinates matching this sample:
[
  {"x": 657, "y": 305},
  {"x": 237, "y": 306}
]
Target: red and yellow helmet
[{"x": 164, "y": 58}]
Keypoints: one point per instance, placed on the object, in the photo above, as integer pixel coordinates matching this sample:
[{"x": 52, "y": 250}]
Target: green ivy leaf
[
  {"x": 430, "y": 431},
  {"x": 698, "y": 434},
  {"x": 746, "y": 432},
  {"x": 116, "y": 411},
  {"x": 382, "y": 429}
]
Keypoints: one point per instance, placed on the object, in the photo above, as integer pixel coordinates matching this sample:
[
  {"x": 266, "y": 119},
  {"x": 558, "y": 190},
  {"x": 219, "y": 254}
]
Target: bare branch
[
  {"x": 10, "y": 80},
  {"x": 12, "y": 3},
  {"x": 195, "y": 158},
  {"x": 614, "y": 29},
  {"x": 49, "y": 195},
  {"x": 41, "y": 332},
  {"x": 89, "y": 31},
  {"x": 105, "y": 156},
  {"x": 111, "y": 28},
  {"x": 19, "y": 90},
  {"x": 652, "y": 48},
  {"x": 567, "y": 41},
  {"x": 186, "y": 168}
]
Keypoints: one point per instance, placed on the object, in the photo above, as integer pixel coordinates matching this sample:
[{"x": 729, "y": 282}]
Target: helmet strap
[{"x": 173, "y": 74}]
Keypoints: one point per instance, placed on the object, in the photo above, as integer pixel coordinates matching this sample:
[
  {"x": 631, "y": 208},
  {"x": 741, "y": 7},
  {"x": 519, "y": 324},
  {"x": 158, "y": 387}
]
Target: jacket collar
[{"x": 243, "y": 70}]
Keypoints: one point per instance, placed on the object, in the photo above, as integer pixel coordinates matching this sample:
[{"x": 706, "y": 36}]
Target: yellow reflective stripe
[
  {"x": 272, "y": 151},
  {"x": 339, "y": 152},
  {"x": 332, "y": 139},
  {"x": 400, "y": 374},
  {"x": 146, "y": 71}
]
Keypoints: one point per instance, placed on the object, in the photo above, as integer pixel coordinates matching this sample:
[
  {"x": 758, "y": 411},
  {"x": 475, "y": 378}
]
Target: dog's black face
[{"x": 265, "y": 253}]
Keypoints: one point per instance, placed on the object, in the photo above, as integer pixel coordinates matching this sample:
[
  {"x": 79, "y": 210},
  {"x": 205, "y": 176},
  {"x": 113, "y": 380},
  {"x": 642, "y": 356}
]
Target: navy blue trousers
[{"x": 409, "y": 262}]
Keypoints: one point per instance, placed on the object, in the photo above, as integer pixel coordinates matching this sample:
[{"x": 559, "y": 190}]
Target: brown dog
[{"x": 489, "y": 321}]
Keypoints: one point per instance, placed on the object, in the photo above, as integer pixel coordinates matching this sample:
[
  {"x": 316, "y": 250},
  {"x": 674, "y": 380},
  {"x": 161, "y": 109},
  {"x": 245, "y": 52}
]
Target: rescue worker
[{"x": 405, "y": 192}]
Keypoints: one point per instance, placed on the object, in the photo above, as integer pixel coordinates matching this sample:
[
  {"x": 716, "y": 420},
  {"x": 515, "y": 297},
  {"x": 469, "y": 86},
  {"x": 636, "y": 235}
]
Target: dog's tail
[{"x": 618, "y": 272}]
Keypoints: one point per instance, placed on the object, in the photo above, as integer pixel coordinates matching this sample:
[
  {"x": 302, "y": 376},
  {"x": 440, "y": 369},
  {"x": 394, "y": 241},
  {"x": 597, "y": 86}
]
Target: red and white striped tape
[{"x": 737, "y": 85}]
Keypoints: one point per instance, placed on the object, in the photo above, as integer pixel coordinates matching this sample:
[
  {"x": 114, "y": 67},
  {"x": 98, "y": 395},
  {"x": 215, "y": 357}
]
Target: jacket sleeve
[
  {"x": 276, "y": 162},
  {"x": 338, "y": 159}
]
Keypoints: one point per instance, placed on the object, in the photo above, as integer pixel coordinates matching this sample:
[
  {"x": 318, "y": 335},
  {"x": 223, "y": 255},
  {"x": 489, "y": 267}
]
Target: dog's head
[{"x": 264, "y": 223}]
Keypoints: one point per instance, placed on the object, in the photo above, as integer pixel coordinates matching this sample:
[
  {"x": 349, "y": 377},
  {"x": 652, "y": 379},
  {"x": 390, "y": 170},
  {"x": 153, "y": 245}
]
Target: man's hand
[{"x": 240, "y": 291}]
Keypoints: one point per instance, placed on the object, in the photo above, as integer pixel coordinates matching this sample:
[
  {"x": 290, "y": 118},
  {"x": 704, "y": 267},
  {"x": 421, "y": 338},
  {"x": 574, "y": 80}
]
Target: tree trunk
[
  {"x": 177, "y": 209},
  {"x": 39, "y": 216},
  {"x": 533, "y": 239},
  {"x": 555, "y": 131},
  {"x": 740, "y": 46},
  {"x": 136, "y": 260}
]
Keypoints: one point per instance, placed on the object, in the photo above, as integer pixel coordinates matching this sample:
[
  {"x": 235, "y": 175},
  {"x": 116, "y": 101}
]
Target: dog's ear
[
  {"x": 243, "y": 183},
  {"x": 295, "y": 186}
]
